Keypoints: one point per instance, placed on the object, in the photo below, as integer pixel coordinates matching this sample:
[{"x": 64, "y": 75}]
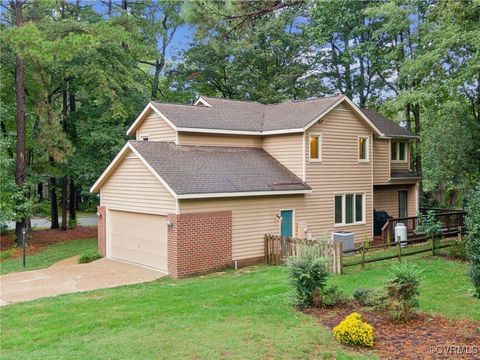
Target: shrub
[
  {"x": 308, "y": 274},
  {"x": 472, "y": 222},
  {"x": 430, "y": 226},
  {"x": 3, "y": 228},
  {"x": 369, "y": 297},
  {"x": 89, "y": 256},
  {"x": 332, "y": 296},
  {"x": 402, "y": 291},
  {"x": 353, "y": 331},
  {"x": 72, "y": 223},
  {"x": 458, "y": 250}
]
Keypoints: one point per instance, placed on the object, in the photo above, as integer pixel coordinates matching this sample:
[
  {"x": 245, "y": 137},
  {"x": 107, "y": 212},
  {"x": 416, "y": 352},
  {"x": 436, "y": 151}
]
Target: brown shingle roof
[
  {"x": 214, "y": 169},
  {"x": 236, "y": 115},
  {"x": 387, "y": 127},
  {"x": 251, "y": 116}
]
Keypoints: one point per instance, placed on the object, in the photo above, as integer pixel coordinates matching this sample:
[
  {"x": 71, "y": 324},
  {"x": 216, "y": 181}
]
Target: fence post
[
  {"x": 459, "y": 233},
  {"x": 399, "y": 249},
  {"x": 340, "y": 257},
  {"x": 433, "y": 246},
  {"x": 363, "y": 255}
]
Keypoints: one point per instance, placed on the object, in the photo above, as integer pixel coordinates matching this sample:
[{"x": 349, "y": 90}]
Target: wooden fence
[{"x": 278, "y": 249}]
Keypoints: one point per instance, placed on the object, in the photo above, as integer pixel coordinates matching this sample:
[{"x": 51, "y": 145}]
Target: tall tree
[{"x": 20, "y": 225}]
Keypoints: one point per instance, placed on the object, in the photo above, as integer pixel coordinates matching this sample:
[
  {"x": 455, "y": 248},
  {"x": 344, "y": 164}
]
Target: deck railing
[{"x": 451, "y": 221}]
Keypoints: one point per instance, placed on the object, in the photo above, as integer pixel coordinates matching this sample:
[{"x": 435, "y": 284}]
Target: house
[{"x": 201, "y": 184}]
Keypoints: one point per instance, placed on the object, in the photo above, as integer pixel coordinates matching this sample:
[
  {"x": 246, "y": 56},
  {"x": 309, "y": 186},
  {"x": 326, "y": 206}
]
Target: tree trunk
[
  {"x": 418, "y": 158},
  {"x": 64, "y": 202},
  {"x": 156, "y": 76},
  {"x": 408, "y": 118},
  {"x": 72, "y": 201},
  {"x": 53, "y": 203},
  {"x": 40, "y": 190},
  {"x": 17, "y": 7}
]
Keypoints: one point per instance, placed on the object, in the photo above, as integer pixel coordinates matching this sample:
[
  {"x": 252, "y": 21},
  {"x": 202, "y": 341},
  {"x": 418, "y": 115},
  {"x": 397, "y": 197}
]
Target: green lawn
[
  {"x": 49, "y": 255},
  {"x": 243, "y": 315},
  {"x": 445, "y": 286}
]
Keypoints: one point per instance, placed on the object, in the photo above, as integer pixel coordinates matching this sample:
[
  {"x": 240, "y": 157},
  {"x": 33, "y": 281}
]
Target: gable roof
[
  {"x": 388, "y": 127},
  {"x": 214, "y": 171},
  {"x": 214, "y": 115}
]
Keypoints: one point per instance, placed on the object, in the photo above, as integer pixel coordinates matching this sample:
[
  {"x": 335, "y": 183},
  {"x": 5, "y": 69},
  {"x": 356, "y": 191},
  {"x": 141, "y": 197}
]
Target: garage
[{"x": 139, "y": 238}]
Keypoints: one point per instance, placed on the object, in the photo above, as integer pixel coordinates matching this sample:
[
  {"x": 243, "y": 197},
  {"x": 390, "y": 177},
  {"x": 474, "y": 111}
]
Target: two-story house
[{"x": 202, "y": 184}]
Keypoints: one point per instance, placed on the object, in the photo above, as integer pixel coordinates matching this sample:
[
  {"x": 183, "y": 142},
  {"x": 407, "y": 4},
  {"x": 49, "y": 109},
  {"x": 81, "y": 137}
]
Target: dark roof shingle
[
  {"x": 387, "y": 127},
  {"x": 214, "y": 169}
]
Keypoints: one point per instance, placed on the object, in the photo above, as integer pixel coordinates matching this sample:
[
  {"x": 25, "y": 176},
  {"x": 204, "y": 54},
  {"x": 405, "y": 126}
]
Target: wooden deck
[{"x": 453, "y": 222}]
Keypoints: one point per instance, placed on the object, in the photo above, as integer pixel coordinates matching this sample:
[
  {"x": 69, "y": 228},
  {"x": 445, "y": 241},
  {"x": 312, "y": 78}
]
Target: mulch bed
[
  {"x": 424, "y": 337},
  {"x": 42, "y": 238}
]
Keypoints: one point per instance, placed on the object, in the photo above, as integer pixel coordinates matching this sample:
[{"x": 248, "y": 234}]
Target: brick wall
[
  {"x": 101, "y": 238},
  {"x": 199, "y": 243}
]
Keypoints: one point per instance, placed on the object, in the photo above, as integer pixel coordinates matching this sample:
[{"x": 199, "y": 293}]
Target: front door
[
  {"x": 286, "y": 226},
  {"x": 402, "y": 204}
]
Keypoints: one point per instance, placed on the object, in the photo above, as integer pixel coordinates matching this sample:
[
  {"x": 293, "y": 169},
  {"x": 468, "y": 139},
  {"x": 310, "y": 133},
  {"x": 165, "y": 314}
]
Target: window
[
  {"x": 402, "y": 203},
  {"x": 349, "y": 209},
  {"x": 316, "y": 147},
  {"x": 363, "y": 148},
  {"x": 399, "y": 151}
]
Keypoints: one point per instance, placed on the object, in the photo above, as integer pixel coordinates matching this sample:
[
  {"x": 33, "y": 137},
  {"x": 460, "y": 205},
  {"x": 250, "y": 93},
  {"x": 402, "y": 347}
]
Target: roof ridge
[
  {"x": 236, "y": 100},
  {"x": 305, "y": 100}
]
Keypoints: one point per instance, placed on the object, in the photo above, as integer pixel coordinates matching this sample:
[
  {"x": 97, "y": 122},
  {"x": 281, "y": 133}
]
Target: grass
[
  {"x": 445, "y": 286},
  {"x": 49, "y": 255},
  {"x": 235, "y": 315}
]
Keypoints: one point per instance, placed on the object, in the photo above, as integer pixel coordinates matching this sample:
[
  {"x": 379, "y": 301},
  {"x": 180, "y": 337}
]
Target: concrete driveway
[{"x": 69, "y": 277}]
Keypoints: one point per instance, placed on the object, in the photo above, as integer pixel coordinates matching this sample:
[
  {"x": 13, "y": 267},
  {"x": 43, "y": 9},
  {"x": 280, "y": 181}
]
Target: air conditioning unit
[{"x": 347, "y": 239}]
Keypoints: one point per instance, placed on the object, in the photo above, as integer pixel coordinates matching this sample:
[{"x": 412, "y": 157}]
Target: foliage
[
  {"x": 472, "y": 222},
  {"x": 89, "y": 256},
  {"x": 308, "y": 274},
  {"x": 403, "y": 291},
  {"x": 332, "y": 296},
  {"x": 72, "y": 223},
  {"x": 369, "y": 297},
  {"x": 458, "y": 250},
  {"x": 431, "y": 227},
  {"x": 353, "y": 331}
]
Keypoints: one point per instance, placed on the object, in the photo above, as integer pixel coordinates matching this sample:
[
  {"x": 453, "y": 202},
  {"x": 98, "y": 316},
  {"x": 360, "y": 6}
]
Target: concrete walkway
[{"x": 67, "y": 276}]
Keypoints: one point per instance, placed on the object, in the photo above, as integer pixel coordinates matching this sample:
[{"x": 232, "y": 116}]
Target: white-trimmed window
[
  {"x": 315, "y": 147},
  {"x": 349, "y": 208},
  {"x": 399, "y": 151},
  {"x": 363, "y": 148}
]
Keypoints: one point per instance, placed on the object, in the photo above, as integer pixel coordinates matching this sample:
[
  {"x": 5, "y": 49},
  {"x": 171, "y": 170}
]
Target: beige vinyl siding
[
  {"x": 385, "y": 198},
  {"x": 252, "y": 218},
  {"x": 340, "y": 172},
  {"x": 287, "y": 149},
  {"x": 132, "y": 187},
  {"x": 381, "y": 161},
  {"x": 156, "y": 128},
  {"x": 186, "y": 138}
]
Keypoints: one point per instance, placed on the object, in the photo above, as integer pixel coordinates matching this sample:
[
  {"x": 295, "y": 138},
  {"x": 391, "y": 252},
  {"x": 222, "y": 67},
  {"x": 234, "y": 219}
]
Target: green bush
[
  {"x": 472, "y": 222},
  {"x": 308, "y": 274},
  {"x": 431, "y": 227},
  {"x": 72, "y": 223},
  {"x": 369, "y": 297},
  {"x": 403, "y": 291},
  {"x": 3, "y": 228},
  {"x": 332, "y": 296},
  {"x": 458, "y": 250},
  {"x": 89, "y": 256}
]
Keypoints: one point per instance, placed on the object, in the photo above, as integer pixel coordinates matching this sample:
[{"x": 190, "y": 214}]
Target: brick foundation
[
  {"x": 101, "y": 238},
  {"x": 199, "y": 243}
]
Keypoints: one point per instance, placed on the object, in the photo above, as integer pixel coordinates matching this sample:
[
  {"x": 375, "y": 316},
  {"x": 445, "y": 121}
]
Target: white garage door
[{"x": 139, "y": 238}]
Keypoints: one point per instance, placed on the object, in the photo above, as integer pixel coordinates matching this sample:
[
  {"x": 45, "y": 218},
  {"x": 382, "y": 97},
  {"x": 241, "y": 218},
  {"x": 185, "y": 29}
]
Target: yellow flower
[{"x": 353, "y": 331}]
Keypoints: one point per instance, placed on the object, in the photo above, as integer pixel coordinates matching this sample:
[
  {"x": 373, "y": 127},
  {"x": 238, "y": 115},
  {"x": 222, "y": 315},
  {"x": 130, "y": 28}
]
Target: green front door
[{"x": 286, "y": 226}]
